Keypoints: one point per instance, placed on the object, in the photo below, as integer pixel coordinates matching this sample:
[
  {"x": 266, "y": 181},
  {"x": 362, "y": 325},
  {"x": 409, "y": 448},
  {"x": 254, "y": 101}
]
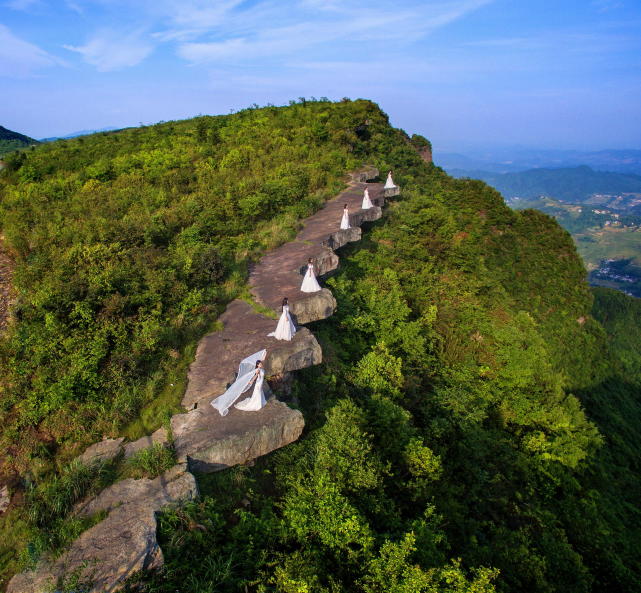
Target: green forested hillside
[
  {"x": 10, "y": 141},
  {"x": 127, "y": 244},
  {"x": 473, "y": 425},
  {"x": 445, "y": 449}
]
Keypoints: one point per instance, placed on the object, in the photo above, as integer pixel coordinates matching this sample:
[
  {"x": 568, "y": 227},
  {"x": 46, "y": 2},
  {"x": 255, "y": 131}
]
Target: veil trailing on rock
[{"x": 246, "y": 371}]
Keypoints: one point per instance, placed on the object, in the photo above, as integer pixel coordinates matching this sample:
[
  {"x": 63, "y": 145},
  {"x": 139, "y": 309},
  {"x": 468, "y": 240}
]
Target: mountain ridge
[
  {"x": 10, "y": 141},
  {"x": 570, "y": 184}
]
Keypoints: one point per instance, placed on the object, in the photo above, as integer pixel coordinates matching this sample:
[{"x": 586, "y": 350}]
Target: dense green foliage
[
  {"x": 10, "y": 141},
  {"x": 477, "y": 413},
  {"x": 608, "y": 240},
  {"x": 442, "y": 424},
  {"x": 128, "y": 244},
  {"x": 571, "y": 184}
]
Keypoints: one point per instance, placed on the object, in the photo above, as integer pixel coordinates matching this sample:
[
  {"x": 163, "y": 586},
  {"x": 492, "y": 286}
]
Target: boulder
[
  {"x": 391, "y": 192},
  {"x": 314, "y": 306},
  {"x": 210, "y": 442},
  {"x": 102, "y": 451},
  {"x": 325, "y": 261},
  {"x": 122, "y": 544},
  {"x": 342, "y": 237},
  {"x": 301, "y": 352},
  {"x": 160, "y": 436},
  {"x": 369, "y": 215}
]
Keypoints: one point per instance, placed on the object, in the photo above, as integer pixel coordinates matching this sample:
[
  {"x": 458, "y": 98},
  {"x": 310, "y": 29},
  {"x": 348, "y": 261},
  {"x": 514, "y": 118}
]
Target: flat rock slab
[
  {"x": 280, "y": 272},
  {"x": 210, "y": 442},
  {"x": 122, "y": 544},
  {"x": 174, "y": 485},
  {"x": 102, "y": 451},
  {"x": 244, "y": 332}
]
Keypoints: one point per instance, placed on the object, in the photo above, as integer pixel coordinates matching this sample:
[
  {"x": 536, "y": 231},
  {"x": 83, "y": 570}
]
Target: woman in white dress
[
  {"x": 367, "y": 203},
  {"x": 248, "y": 373},
  {"x": 257, "y": 399},
  {"x": 285, "y": 329},
  {"x": 310, "y": 284},
  {"x": 389, "y": 184},
  {"x": 345, "y": 218}
]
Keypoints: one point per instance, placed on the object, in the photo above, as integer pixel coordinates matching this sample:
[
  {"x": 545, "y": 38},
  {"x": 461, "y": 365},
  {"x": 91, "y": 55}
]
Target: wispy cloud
[
  {"x": 318, "y": 22},
  {"x": 110, "y": 50},
  {"x": 21, "y": 4},
  {"x": 606, "y": 5},
  {"x": 21, "y": 59}
]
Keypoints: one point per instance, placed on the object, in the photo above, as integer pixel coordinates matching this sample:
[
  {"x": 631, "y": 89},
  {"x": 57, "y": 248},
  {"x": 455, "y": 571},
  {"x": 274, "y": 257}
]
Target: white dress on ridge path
[
  {"x": 389, "y": 184},
  {"x": 244, "y": 378},
  {"x": 257, "y": 399},
  {"x": 310, "y": 284},
  {"x": 285, "y": 329},
  {"x": 367, "y": 203},
  {"x": 345, "y": 219}
]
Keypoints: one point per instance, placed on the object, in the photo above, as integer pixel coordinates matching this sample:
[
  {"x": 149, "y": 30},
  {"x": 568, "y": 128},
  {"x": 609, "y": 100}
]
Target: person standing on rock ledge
[
  {"x": 285, "y": 329},
  {"x": 389, "y": 184},
  {"x": 367, "y": 203},
  {"x": 250, "y": 371},
  {"x": 310, "y": 284},
  {"x": 345, "y": 220}
]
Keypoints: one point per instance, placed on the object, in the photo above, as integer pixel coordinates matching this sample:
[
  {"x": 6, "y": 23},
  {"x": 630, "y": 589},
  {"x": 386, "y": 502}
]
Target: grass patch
[{"x": 149, "y": 463}]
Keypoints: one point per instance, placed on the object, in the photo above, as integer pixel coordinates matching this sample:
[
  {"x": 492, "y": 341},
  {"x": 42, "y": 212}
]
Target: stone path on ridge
[
  {"x": 202, "y": 437},
  {"x": 280, "y": 272}
]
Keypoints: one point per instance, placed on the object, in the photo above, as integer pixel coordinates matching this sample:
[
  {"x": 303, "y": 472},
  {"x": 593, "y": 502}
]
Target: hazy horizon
[{"x": 465, "y": 73}]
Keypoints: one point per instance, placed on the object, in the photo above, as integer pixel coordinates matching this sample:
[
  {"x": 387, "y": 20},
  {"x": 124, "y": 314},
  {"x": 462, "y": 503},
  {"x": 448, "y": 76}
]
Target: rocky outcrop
[
  {"x": 176, "y": 484},
  {"x": 102, "y": 451},
  {"x": 122, "y": 544},
  {"x": 244, "y": 332},
  {"x": 318, "y": 305},
  {"x": 209, "y": 442},
  {"x": 160, "y": 437},
  {"x": 5, "y": 498}
]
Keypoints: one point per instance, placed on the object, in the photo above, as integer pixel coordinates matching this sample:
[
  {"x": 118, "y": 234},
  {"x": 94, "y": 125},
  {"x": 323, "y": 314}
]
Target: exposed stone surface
[
  {"x": 102, "y": 451},
  {"x": 342, "y": 237},
  {"x": 5, "y": 498},
  {"x": 317, "y": 305},
  {"x": 210, "y": 442},
  {"x": 7, "y": 295},
  {"x": 159, "y": 437},
  {"x": 391, "y": 192},
  {"x": 174, "y": 485},
  {"x": 244, "y": 332},
  {"x": 122, "y": 544},
  {"x": 426, "y": 154},
  {"x": 280, "y": 272}
]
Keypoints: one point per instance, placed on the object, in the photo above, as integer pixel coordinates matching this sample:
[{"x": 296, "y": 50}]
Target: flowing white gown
[
  {"x": 257, "y": 399},
  {"x": 367, "y": 203},
  {"x": 285, "y": 329},
  {"x": 345, "y": 219},
  {"x": 310, "y": 284},
  {"x": 389, "y": 184},
  {"x": 246, "y": 373}
]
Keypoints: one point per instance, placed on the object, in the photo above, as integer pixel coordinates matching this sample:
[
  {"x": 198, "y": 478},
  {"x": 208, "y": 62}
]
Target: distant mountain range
[
  {"x": 79, "y": 133},
  {"x": 521, "y": 159},
  {"x": 575, "y": 184},
  {"x": 10, "y": 140}
]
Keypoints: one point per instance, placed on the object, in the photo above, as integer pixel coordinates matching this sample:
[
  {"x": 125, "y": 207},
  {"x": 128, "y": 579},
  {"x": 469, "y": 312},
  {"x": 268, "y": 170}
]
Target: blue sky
[{"x": 465, "y": 73}]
